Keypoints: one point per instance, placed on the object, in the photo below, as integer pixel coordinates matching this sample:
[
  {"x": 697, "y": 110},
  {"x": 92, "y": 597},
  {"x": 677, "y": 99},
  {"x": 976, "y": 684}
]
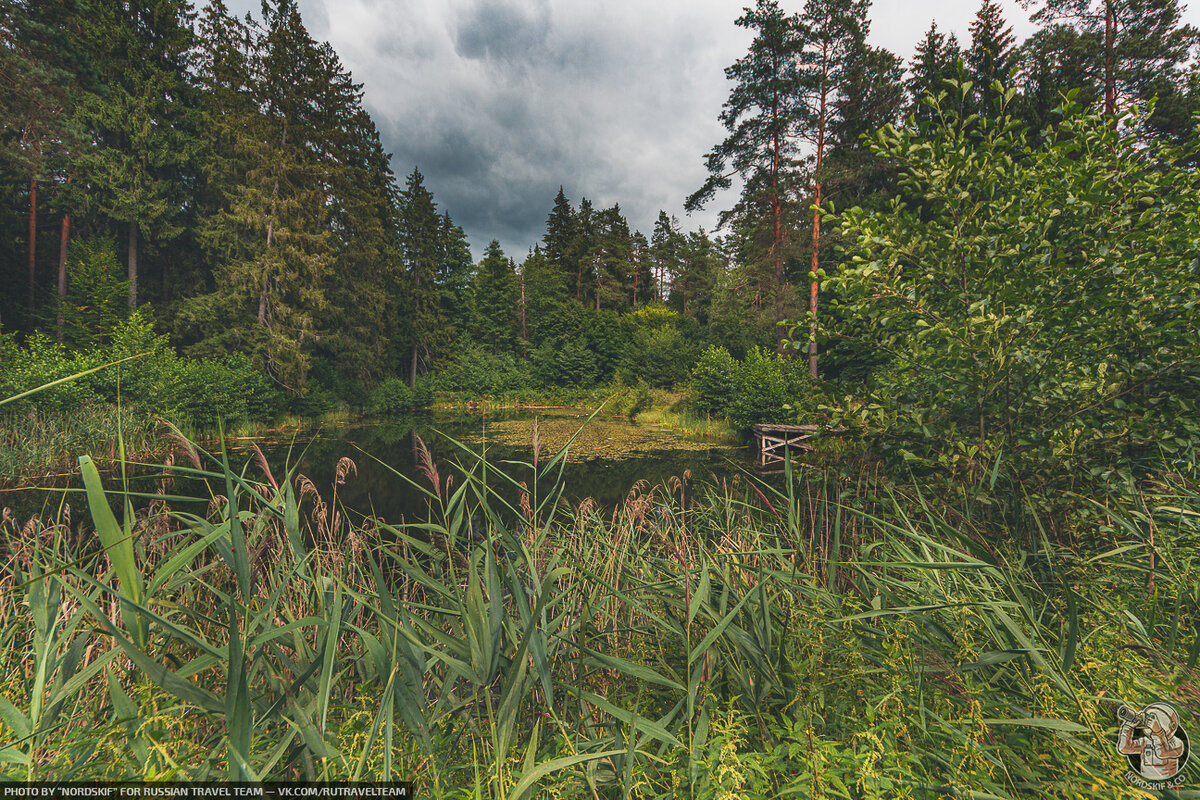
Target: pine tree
[
  {"x": 991, "y": 57},
  {"x": 1055, "y": 60},
  {"x": 760, "y": 115},
  {"x": 699, "y": 274},
  {"x": 1135, "y": 50},
  {"x": 665, "y": 244},
  {"x": 640, "y": 268},
  {"x": 835, "y": 33},
  {"x": 871, "y": 97},
  {"x": 44, "y": 71}
]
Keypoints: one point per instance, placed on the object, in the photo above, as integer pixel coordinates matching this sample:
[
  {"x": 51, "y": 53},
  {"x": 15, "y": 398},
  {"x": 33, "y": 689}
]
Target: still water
[{"x": 607, "y": 457}]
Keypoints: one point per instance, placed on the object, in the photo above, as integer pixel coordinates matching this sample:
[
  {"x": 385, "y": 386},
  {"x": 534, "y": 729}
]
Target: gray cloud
[{"x": 501, "y": 101}]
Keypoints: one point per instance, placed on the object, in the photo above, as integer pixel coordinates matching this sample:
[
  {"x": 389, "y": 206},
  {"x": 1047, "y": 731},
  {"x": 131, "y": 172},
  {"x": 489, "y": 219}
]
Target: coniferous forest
[{"x": 971, "y": 273}]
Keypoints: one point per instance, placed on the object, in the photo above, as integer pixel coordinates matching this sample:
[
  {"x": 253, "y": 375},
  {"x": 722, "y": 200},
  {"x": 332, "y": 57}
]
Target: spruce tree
[
  {"x": 611, "y": 253},
  {"x": 560, "y": 231},
  {"x": 581, "y": 278},
  {"x": 456, "y": 271},
  {"x": 545, "y": 300},
  {"x": 495, "y": 301},
  {"x": 269, "y": 232},
  {"x": 938, "y": 59},
  {"x": 421, "y": 249},
  {"x": 145, "y": 123},
  {"x": 991, "y": 57}
]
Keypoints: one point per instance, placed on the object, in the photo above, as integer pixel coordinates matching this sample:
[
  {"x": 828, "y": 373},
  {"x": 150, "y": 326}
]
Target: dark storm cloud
[
  {"x": 501, "y": 101},
  {"x": 503, "y": 32}
]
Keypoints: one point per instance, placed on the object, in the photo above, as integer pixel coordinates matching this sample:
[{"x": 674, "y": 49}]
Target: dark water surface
[{"x": 605, "y": 460}]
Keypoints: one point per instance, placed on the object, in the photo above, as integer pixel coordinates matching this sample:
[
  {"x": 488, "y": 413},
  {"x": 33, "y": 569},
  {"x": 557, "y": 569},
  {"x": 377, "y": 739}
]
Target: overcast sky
[{"x": 499, "y": 102}]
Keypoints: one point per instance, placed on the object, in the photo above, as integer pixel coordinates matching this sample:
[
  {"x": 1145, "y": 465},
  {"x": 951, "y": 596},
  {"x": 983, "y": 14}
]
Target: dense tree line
[
  {"x": 221, "y": 176},
  {"x": 810, "y": 87}
]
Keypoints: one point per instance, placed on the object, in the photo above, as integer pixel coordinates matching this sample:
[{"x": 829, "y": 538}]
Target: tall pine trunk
[
  {"x": 63, "y": 241},
  {"x": 524, "y": 327},
  {"x": 33, "y": 184},
  {"x": 1110, "y": 81},
  {"x": 133, "y": 263},
  {"x": 777, "y": 237},
  {"x": 815, "y": 286}
]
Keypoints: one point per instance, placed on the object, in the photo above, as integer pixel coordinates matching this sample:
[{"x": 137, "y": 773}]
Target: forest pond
[{"x": 606, "y": 459}]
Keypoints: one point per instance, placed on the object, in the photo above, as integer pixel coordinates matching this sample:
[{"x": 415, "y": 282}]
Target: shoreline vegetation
[
  {"x": 839, "y": 635},
  {"x": 36, "y": 445},
  {"x": 953, "y": 597}
]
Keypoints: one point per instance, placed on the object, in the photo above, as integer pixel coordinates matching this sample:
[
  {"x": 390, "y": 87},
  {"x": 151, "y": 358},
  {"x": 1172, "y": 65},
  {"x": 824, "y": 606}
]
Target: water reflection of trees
[{"x": 378, "y": 491}]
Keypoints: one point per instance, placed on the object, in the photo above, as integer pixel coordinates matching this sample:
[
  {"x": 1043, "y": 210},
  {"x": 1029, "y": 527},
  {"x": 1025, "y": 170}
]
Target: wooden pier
[{"x": 775, "y": 440}]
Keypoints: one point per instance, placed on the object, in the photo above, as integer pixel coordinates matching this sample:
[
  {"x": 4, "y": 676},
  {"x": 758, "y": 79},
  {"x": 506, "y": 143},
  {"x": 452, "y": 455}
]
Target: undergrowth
[{"x": 831, "y": 637}]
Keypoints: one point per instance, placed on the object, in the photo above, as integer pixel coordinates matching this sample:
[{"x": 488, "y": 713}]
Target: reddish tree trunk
[
  {"x": 1110, "y": 82},
  {"x": 815, "y": 285},
  {"x": 133, "y": 263},
  {"x": 64, "y": 239},
  {"x": 32, "y": 246}
]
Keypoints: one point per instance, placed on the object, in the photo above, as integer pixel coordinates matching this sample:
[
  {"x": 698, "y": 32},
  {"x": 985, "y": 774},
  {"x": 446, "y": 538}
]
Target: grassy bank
[
  {"x": 837, "y": 637},
  {"x": 639, "y": 405}
]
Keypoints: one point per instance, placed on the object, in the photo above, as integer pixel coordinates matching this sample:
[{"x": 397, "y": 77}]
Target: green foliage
[
  {"x": 764, "y": 387},
  {"x": 1034, "y": 301},
  {"x": 720, "y": 643},
  {"x": 97, "y": 293},
  {"x": 563, "y": 363},
  {"x": 494, "y": 301},
  {"x": 189, "y": 391},
  {"x": 476, "y": 369},
  {"x": 658, "y": 354},
  {"x": 394, "y": 395}
]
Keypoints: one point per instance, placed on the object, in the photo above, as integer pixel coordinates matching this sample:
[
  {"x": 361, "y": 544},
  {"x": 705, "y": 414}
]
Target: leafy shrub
[
  {"x": 763, "y": 388},
  {"x": 194, "y": 391},
  {"x": 474, "y": 369},
  {"x": 1041, "y": 307},
  {"x": 564, "y": 363},
  {"x": 660, "y": 355},
  {"x": 392, "y": 396},
  {"x": 716, "y": 380}
]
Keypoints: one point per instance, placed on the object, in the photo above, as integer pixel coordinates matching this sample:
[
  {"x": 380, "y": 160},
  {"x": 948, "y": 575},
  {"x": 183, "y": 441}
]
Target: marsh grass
[
  {"x": 36, "y": 444},
  {"x": 828, "y": 636}
]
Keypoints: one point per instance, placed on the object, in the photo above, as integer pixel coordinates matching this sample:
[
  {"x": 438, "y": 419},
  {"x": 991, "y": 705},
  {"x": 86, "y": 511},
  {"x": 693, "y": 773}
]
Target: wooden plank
[{"x": 763, "y": 428}]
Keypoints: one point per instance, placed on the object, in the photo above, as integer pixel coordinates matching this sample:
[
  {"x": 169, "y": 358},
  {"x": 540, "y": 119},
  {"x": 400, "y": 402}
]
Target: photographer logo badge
[{"x": 1155, "y": 744}]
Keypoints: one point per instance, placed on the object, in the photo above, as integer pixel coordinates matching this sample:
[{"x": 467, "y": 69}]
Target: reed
[{"x": 831, "y": 636}]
